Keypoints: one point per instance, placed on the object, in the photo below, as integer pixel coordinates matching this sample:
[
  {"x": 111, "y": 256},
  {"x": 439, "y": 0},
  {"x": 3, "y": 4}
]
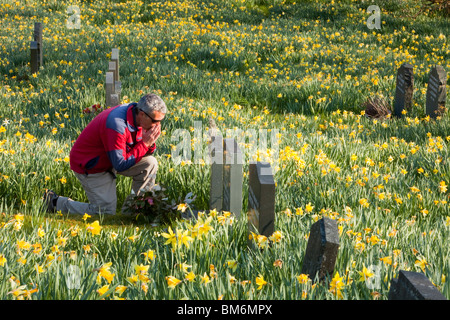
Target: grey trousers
[{"x": 100, "y": 188}]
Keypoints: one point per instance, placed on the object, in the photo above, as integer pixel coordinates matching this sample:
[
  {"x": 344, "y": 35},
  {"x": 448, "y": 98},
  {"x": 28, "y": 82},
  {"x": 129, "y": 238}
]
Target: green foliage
[{"x": 303, "y": 68}]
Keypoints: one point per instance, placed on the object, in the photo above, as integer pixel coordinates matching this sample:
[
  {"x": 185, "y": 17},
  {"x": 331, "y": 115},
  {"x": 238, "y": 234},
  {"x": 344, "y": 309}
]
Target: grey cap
[{"x": 152, "y": 102}]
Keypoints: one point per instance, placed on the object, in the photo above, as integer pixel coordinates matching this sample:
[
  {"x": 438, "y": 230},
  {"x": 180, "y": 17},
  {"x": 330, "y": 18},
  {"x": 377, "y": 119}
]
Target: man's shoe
[{"x": 50, "y": 198}]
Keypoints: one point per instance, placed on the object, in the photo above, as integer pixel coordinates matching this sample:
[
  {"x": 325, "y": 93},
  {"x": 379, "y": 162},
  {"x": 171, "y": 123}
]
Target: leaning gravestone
[
  {"x": 413, "y": 286},
  {"x": 404, "y": 89},
  {"x": 322, "y": 249},
  {"x": 232, "y": 177},
  {"x": 261, "y": 199},
  {"x": 436, "y": 92},
  {"x": 216, "y": 161}
]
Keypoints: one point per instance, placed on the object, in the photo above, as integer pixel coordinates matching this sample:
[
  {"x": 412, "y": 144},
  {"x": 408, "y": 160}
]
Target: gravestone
[
  {"x": 115, "y": 59},
  {"x": 232, "y": 177},
  {"x": 36, "y": 48},
  {"x": 112, "y": 67},
  {"x": 109, "y": 90},
  {"x": 261, "y": 199},
  {"x": 413, "y": 286},
  {"x": 436, "y": 92},
  {"x": 404, "y": 89},
  {"x": 38, "y": 38},
  {"x": 115, "y": 100},
  {"x": 34, "y": 62},
  {"x": 216, "y": 161},
  {"x": 322, "y": 249}
]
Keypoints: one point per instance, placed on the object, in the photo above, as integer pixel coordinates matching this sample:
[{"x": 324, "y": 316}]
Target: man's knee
[{"x": 151, "y": 164}]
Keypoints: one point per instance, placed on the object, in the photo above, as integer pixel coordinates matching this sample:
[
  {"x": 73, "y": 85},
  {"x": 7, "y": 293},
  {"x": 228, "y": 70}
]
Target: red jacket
[{"x": 110, "y": 140}]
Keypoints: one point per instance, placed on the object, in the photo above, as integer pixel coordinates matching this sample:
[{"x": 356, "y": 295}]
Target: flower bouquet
[{"x": 156, "y": 207}]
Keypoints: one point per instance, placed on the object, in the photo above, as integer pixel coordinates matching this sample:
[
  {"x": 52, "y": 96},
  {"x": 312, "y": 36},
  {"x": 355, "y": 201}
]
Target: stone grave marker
[
  {"x": 321, "y": 250},
  {"x": 34, "y": 63},
  {"x": 38, "y": 38},
  {"x": 109, "y": 90},
  {"x": 112, "y": 68},
  {"x": 404, "y": 89},
  {"x": 261, "y": 199},
  {"x": 115, "y": 59},
  {"x": 115, "y": 100},
  {"x": 36, "y": 48},
  {"x": 232, "y": 177},
  {"x": 436, "y": 92},
  {"x": 413, "y": 286},
  {"x": 216, "y": 161},
  {"x": 112, "y": 65}
]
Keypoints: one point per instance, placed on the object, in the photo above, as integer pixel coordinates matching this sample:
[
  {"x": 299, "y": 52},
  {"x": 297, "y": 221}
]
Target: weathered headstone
[
  {"x": 112, "y": 67},
  {"x": 118, "y": 87},
  {"x": 109, "y": 89},
  {"x": 115, "y": 100},
  {"x": 36, "y": 49},
  {"x": 34, "y": 62},
  {"x": 115, "y": 59},
  {"x": 232, "y": 177},
  {"x": 37, "y": 36},
  {"x": 404, "y": 89},
  {"x": 436, "y": 92},
  {"x": 261, "y": 199},
  {"x": 322, "y": 249},
  {"x": 216, "y": 161},
  {"x": 413, "y": 286}
]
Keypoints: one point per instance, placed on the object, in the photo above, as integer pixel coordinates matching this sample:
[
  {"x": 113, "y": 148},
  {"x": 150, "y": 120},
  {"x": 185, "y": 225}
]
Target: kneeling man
[{"x": 120, "y": 140}]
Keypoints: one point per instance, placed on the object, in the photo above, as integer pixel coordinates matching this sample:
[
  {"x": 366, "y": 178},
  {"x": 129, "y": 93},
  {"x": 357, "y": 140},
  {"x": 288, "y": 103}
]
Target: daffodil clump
[{"x": 288, "y": 74}]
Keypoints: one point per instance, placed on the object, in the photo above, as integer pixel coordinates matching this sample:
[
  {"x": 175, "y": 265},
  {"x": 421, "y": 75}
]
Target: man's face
[{"x": 150, "y": 120}]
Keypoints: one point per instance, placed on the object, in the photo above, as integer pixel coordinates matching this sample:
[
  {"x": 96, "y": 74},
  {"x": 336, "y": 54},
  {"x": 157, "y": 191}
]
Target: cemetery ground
[{"x": 300, "y": 69}]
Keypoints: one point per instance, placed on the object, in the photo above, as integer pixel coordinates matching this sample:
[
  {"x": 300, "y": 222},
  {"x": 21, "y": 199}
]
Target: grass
[{"x": 300, "y": 69}]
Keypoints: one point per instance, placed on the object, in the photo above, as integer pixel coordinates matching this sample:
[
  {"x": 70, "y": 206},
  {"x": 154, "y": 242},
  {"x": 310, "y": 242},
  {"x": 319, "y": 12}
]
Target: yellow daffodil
[
  {"x": 336, "y": 285},
  {"x": 171, "y": 238},
  {"x": 303, "y": 278},
  {"x": 103, "y": 290},
  {"x": 94, "y": 228},
  {"x": 3, "y": 260},
  {"x": 365, "y": 274},
  {"x": 120, "y": 289},
  {"x": 190, "y": 276},
  {"x": 104, "y": 272},
  {"x": 232, "y": 264},
  {"x": 260, "y": 282},
  {"x": 205, "y": 279},
  {"x": 182, "y": 207},
  {"x": 172, "y": 282},
  {"x": 149, "y": 255}
]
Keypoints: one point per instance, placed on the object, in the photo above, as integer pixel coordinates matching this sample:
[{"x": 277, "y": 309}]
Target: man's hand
[{"x": 150, "y": 136}]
